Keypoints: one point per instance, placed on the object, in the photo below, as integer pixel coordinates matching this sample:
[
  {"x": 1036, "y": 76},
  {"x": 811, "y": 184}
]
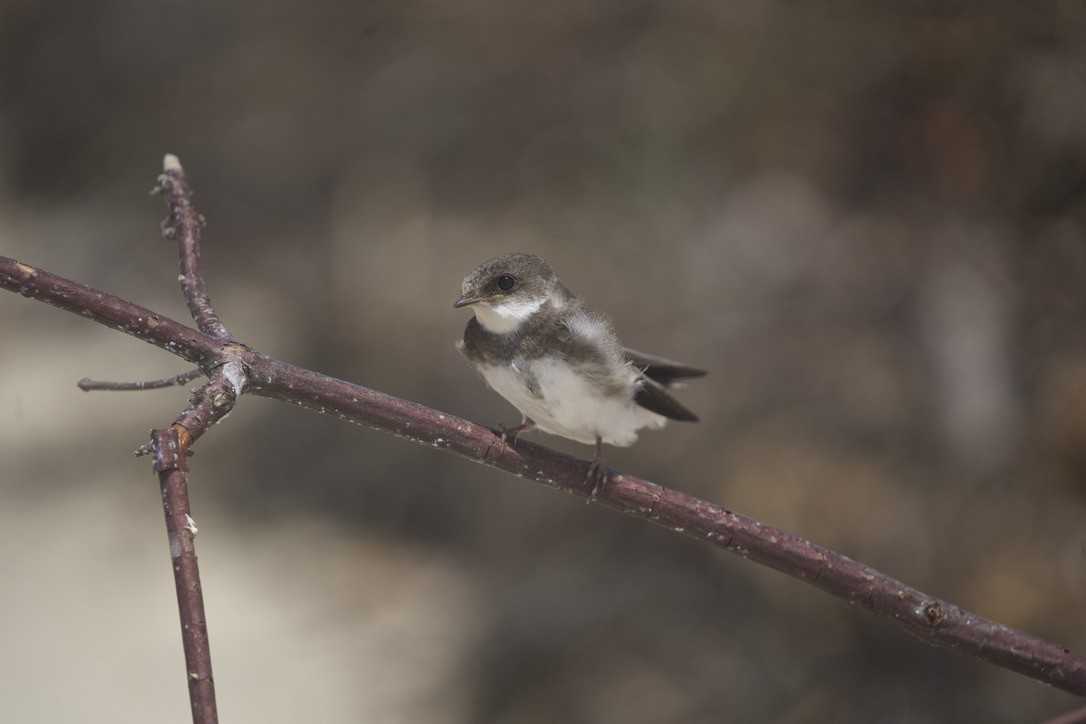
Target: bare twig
[
  {"x": 87, "y": 384},
  {"x": 184, "y": 225},
  {"x": 107, "y": 309},
  {"x": 238, "y": 369},
  {"x": 169, "y": 463},
  {"x": 931, "y": 619},
  {"x": 935, "y": 621},
  {"x": 209, "y": 404}
]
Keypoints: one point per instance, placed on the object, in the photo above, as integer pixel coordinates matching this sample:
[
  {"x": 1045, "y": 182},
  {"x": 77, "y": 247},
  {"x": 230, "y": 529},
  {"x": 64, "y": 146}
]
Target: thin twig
[
  {"x": 169, "y": 463},
  {"x": 209, "y": 404},
  {"x": 184, "y": 225},
  {"x": 87, "y": 384},
  {"x": 169, "y": 447},
  {"x": 238, "y": 369},
  {"x": 110, "y": 310},
  {"x": 935, "y": 621}
]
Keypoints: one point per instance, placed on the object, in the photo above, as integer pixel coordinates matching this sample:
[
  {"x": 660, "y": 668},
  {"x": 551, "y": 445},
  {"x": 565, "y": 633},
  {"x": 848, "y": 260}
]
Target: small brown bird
[{"x": 533, "y": 342}]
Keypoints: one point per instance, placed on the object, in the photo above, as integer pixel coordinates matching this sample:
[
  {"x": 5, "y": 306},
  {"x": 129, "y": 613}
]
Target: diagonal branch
[
  {"x": 112, "y": 311},
  {"x": 933, "y": 620},
  {"x": 235, "y": 369}
]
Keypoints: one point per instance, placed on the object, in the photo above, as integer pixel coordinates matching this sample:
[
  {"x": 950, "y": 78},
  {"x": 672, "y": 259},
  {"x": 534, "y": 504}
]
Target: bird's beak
[
  {"x": 464, "y": 301},
  {"x": 467, "y": 301}
]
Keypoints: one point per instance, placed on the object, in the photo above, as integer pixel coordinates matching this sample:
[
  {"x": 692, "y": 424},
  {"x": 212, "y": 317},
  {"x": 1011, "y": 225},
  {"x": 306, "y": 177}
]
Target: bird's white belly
[{"x": 570, "y": 405}]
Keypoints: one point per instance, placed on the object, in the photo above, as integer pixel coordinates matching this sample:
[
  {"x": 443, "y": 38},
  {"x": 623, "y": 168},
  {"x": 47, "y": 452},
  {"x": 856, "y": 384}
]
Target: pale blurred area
[{"x": 866, "y": 220}]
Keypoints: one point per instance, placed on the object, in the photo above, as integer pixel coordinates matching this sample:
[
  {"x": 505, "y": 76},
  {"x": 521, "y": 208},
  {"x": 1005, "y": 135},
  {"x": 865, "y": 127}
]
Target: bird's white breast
[
  {"x": 507, "y": 316},
  {"x": 570, "y": 404}
]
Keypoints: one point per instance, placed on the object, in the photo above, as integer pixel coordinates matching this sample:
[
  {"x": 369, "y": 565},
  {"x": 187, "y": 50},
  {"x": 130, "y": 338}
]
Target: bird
[{"x": 533, "y": 342}]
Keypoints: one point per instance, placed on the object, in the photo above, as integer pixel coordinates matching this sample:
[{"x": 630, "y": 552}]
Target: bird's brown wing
[
  {"x": 664, "y": 371},
  {"x": 657, "y": 374}
]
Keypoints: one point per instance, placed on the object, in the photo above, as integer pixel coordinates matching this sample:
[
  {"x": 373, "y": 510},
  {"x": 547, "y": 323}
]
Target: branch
[
  {"x": 209, "y": 404},
  {"x": 169, "y": 463},
  {"x": 184, "y": 225},
  {"x": 113, "y": 312},
  {"x": 238, "y": 369},
  {"x": 933, "y": 620},
  {"x": 87, "y": 384}
]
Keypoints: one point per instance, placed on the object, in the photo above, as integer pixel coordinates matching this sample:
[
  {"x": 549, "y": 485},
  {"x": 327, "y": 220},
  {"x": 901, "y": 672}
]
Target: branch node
[
  {"x": 169, "y": 231},
  {"x": 184, "y": 438},
  {"x": 933, "y": 612}
]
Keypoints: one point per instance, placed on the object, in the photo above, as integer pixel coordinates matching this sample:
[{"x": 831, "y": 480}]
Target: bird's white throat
[{"x": 506, "y": 316}]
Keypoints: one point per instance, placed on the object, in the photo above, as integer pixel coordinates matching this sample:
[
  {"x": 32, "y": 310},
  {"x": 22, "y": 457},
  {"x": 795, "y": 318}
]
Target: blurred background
[{"x": 866, "y": 220}]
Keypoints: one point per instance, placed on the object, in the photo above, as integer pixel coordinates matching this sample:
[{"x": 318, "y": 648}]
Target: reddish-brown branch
[
  {"x": 238, "y": 369},
  {"x": 209, "y": 404},
  {"x": 935, "y": 621},
  {"x": 112, "y": 311},
  {"x": 169, "y": 463},
  {"x": 88, "y": 385},
  {"x": 183, "y": 225}
]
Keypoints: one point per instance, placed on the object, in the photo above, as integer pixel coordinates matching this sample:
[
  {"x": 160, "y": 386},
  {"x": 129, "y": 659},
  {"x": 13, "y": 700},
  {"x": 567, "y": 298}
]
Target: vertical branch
[
  {"x": 184, "y": 225},
  {"x": 208, "y": 405},
  {"x": 169, "y": 463}
]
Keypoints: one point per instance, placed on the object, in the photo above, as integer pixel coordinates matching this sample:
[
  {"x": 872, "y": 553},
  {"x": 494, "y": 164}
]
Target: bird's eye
[{"x": 506, "y": 282}]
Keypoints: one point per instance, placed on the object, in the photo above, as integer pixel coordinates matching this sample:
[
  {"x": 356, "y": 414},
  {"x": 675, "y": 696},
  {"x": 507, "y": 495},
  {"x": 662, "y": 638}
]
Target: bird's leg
[
  {"x": 597, "y": 473},
  {"x": 503, "y": 433}
]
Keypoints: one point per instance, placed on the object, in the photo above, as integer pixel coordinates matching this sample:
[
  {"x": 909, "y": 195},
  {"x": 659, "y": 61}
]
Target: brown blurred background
[{"x": 865, "y": 219}]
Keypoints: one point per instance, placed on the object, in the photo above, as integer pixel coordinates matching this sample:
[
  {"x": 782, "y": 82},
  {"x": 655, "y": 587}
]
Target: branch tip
[
  {"x": 87, "y": 384},
  {"x": 171, "y": 163}
]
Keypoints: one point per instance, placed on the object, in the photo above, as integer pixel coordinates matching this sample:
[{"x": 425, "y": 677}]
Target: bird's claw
[
  {"x": 502, "y": 432},
  {"x": 597, "y": 474}
]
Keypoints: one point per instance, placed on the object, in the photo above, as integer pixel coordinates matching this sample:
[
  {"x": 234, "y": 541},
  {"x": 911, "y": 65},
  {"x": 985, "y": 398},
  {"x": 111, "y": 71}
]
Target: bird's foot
[
  {"x": 597, "y": 471},
  {"x": 504, "y": 433}
]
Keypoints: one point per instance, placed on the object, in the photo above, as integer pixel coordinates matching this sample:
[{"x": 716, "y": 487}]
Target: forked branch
[{"x": 236, "y": 369}]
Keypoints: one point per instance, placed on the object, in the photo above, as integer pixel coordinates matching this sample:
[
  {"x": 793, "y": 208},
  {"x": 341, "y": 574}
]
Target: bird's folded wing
[
  {"x": 654, "y": 397},
  {"x": 659, "y": 369}
]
